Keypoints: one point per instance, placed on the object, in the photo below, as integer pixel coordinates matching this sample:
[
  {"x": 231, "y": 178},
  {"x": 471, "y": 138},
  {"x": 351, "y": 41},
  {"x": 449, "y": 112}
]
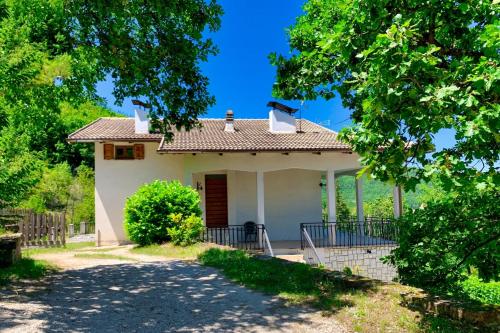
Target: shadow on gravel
[{"x": 161, "y": 297}]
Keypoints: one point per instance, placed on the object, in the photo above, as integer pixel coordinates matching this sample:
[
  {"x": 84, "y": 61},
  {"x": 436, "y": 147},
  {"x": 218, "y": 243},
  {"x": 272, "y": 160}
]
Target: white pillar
[
  {"x": 359, "y": 200},
  {"x": 398, "y": 201},
  {"x": 260, "y": 198},
  {"x": 332, "y": 205},
  {"x": 332, "y": 196}
]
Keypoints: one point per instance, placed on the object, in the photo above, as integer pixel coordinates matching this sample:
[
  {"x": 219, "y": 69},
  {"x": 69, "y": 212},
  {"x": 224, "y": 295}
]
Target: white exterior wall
[
  {"x": 291, "y": 185},
  {"x": 115, "y": 180},
  {"x": 291, "y": 197}
]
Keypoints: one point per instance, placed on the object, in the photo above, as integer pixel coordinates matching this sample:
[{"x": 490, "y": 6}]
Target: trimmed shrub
[
  {"x": 185, "y": 231},
  {"x": 149, "y": 212}
]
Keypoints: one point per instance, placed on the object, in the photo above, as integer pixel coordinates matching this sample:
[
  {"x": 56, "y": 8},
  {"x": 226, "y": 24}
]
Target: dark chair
[{"x": 250, "y": 229}]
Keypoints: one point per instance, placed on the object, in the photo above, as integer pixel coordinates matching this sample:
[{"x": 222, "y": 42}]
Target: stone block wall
[{"x": 364, "y": 261}]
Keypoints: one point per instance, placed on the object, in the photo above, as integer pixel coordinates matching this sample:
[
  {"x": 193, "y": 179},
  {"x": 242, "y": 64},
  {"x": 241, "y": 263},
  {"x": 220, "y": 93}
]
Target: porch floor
[{"x": 286, "y": 244}]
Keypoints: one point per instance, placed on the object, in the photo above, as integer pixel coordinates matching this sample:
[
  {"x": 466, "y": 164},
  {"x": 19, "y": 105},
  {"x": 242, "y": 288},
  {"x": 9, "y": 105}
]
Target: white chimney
[
  {"x": 281, "y": 119},
  {"x": 229, "y": 121},
  {"x": 141, "y": 122}
]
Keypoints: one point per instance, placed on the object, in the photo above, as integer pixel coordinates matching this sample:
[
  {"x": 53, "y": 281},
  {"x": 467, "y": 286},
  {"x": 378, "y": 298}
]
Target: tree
[
  {"x": 19, "y": 169},
  {"x": 54, "y": 53},
  {"x": 407, "y": 69},
  {"x": 52, "y": 191},
  {"x": 433, "y": 252},
  {"x": 152, "y": 50}
]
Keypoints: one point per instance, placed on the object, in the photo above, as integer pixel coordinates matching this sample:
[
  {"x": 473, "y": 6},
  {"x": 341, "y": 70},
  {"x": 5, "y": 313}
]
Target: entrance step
[
  {"x": 292, "y": 257},
  {"x": 287, "y": 251}
]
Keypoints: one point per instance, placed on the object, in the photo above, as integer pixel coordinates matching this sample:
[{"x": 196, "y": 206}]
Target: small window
[{"x": 124, "y": 152}]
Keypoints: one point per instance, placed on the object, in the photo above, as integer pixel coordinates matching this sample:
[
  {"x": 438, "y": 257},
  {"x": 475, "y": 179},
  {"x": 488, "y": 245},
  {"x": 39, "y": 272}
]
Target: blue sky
[{"x": 241, "y": 76}]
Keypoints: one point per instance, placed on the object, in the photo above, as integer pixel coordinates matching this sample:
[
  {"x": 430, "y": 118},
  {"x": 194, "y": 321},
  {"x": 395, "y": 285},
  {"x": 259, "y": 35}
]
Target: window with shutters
[{"x": 123, "y": 152}]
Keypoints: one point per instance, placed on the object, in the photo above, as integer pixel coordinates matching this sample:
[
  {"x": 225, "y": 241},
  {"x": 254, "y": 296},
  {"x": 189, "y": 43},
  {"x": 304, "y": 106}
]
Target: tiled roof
[
  {"x": 251, "y": 135},
  {"x": 111, "y": 129}
]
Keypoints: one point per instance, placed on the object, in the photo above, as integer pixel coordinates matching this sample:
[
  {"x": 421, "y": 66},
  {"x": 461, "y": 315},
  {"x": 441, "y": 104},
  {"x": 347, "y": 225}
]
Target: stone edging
[{"x": 480, "y": 316}]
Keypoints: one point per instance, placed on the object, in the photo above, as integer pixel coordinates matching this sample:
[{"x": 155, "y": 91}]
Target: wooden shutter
[
  {"x": 139, "y": 151},
  {"x": 109, "y": 151}
]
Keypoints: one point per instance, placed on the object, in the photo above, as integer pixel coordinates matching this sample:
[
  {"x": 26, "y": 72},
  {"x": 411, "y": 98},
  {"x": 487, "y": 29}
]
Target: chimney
[
  {"x": 229, "y": 121},
  {"x": 281, "y": 119},
  {"x": 141, "y": 122}
]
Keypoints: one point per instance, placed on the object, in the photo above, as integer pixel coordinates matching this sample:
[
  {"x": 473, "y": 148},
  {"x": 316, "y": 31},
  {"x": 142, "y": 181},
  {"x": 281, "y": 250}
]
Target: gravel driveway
[{"x": 169, "y": 296}]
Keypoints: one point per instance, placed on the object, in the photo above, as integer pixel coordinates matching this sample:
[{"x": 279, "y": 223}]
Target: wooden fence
[{"x": 47, "y": 229}]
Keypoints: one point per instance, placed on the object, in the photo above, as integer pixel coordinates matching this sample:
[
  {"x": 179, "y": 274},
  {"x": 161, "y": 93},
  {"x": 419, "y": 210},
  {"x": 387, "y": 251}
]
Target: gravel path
[{"x": 168, "y": 296}]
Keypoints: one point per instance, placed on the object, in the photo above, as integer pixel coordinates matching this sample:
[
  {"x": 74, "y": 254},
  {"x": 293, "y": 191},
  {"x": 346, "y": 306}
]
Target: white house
[{"x": 264, "y": 170}]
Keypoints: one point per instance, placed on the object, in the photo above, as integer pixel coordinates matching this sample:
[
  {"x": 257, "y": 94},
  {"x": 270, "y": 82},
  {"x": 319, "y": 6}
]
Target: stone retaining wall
[
  {"x": 364, "y": 261},
  {"x": 10, "y": 249}
]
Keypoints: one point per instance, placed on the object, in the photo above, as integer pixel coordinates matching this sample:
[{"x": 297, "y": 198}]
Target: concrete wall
[
  {"x": 291, "y": 197},
  {"x": 115, "y": 180},
  {"x": 364, "y": 261}
]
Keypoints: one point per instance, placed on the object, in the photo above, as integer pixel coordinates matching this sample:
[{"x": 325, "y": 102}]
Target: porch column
[
  {"x": 260, "y": 198},
  {"x": 332, "y": 193},
  {"x": 332, "y": 205},
  {"x": 398, "y": 201},
  {"x": 359, "y": 200}
]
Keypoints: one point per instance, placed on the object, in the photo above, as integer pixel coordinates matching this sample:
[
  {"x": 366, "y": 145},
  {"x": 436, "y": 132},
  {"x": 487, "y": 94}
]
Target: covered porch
[{"x": 276, "y": 191}]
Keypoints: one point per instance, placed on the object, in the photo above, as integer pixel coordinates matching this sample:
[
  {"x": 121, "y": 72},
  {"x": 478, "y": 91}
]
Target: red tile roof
[{"x": 251, "y": 135}]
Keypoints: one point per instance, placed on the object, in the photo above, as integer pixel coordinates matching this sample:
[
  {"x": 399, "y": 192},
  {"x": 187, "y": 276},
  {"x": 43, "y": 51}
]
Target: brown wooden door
[{"x": 216, "y": 200}]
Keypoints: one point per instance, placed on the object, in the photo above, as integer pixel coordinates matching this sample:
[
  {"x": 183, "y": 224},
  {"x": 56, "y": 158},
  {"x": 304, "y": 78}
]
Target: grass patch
[
  {"x": 169, "y": 250},
  {"x": 102, "y": 256},
  {"x": 69, "y": 247},
  {"x": 361, "y": 306},
  {"x": 25, "y": 268}
]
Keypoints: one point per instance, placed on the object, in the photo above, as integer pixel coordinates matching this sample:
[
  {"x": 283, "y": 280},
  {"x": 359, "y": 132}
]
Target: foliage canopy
[
  {"x": 53, "y": 54},
  {"x": 407, "y": 69},
  {"x": 434, "y": 252}
]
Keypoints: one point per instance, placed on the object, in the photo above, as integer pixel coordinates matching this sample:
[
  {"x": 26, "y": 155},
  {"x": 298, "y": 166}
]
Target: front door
[{"x": 216, "y": 200}]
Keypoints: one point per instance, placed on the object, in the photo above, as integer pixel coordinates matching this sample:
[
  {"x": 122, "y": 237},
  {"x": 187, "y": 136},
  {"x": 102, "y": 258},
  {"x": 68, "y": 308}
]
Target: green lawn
[
  {"x": 26, "y": 268},
  {"x": 172, "y": 251},
  {"x": 361, "y": 305}
]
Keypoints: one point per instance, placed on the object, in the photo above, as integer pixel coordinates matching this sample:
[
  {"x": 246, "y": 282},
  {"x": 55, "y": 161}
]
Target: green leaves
[
  {"x": 152, "y": 51},
  {"x": 159, "y": 206},
  {"x": 406, "y": 71},
  {"x": 453, "y": 233}
]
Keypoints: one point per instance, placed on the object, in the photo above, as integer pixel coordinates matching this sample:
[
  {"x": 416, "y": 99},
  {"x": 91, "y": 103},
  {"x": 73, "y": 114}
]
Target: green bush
[
  {"x": 484, "y": 292},
  {"x": 185, "y": 231},
  {"x": 149, "y": 212}
]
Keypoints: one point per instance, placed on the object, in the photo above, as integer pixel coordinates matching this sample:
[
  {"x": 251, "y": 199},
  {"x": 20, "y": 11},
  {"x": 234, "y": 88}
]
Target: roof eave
[
  {"x": 70, "y": 140},
  {"x": 305, "y": 150}
]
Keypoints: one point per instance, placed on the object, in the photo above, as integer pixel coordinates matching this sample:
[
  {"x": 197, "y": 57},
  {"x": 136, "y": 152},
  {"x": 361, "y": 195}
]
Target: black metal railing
[
  {"x": 237, "y": 236},
  {"x": 349, "y": 232}
]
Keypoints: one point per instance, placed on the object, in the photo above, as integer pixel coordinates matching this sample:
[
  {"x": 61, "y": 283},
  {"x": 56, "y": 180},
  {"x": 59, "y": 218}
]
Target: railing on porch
[
  {"x": 311, "y": 255},
  {"x": 349, "y": 232},
  {"x": 267, "y": 243},
  {"x": 237, "y": 236}
]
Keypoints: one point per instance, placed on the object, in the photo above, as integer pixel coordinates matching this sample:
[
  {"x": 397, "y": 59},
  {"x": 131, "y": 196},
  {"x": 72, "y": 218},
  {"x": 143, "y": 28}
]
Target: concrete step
[{"x": 287, "y": 251}]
